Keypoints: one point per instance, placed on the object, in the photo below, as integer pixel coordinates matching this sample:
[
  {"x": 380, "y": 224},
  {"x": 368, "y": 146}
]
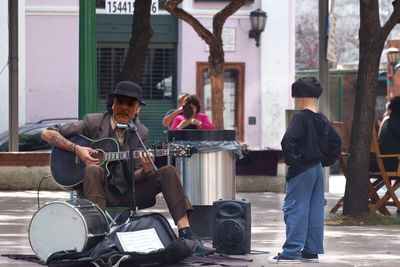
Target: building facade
[{"x": 257, "y": 79}]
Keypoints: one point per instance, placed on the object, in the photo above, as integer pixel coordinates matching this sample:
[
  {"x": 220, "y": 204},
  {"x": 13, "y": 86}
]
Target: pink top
[{"x": 206, "y": 124}]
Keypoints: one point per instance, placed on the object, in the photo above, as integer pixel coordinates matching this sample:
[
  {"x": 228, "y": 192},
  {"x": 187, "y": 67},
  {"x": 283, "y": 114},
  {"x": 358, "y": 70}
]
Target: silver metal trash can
[{"x": 209, "y": 174}]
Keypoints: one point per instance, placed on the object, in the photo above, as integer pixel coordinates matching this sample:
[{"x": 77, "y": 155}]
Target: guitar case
[{"x": 111, "y": 252}]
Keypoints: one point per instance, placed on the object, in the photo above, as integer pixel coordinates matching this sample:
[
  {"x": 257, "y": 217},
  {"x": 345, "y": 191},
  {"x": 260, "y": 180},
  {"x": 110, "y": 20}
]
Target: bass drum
[{"x": 62, "y": 226}]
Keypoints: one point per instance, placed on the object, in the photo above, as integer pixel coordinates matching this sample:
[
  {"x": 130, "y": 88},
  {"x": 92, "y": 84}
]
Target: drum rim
[{"x": 64, "y": 203}]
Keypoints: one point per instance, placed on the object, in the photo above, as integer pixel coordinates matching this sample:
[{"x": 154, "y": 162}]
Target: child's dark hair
[{"x": 306, "y": 87}]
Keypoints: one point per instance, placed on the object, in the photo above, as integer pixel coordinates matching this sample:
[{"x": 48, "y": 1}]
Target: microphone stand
[{"x": 131, "y": 127}]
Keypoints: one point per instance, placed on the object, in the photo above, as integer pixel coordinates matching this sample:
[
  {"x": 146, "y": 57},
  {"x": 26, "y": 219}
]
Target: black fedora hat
[{"x": 130, "y": 89}]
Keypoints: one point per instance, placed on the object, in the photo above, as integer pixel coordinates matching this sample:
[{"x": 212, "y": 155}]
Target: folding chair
[
  {"x": 342, "y": 128},
  {"x": 384, "y": 178}
]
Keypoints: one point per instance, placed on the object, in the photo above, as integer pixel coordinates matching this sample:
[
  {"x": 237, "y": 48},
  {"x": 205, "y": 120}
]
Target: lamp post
[
  {"x": 393, "y": 55},
  {"x": 258, "y": 19}
]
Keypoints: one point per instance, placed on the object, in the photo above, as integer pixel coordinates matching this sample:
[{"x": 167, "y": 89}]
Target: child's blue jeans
[{"x": 303, "y": 211}]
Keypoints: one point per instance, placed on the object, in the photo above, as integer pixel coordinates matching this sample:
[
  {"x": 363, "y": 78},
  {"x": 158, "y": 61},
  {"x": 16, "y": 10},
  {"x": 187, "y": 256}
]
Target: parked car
[{"x": 29, "y": 135}]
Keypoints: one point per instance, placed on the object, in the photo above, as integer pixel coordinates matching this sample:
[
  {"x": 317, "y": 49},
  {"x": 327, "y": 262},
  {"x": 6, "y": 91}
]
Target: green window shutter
[{"x": 151, "y": 115}]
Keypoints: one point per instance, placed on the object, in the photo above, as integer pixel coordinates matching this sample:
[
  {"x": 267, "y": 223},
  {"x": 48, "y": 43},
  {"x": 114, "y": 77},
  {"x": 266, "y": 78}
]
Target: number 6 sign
[{"x": 126, "y": 7}]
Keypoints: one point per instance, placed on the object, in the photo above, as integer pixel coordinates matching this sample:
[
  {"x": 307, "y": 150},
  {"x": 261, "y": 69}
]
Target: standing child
[{"x": 309, "y": 144}]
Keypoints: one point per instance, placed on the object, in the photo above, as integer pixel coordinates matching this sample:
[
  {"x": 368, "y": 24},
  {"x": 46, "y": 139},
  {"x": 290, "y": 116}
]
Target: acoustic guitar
[{"x": 67, "y": 168}]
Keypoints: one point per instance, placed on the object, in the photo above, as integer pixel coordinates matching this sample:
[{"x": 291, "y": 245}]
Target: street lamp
[
  {"x": 393, "y": 55},
  {"x": 258, "y": 19}
]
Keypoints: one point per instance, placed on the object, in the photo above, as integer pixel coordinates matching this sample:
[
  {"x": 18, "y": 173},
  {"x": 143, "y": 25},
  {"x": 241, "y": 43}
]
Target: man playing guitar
[{"x": 115, "y": 189}]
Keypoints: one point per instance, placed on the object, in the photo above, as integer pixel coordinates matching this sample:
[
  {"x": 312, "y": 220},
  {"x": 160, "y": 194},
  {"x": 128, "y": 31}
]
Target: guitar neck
[{"x": 123, "y": 155}]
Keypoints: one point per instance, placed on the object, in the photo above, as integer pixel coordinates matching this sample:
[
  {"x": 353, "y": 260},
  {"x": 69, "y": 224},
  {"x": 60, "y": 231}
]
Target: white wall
[
  {"x": 4, "y": 71},
  {"x": 22, "y": 62},
  {"x": 3, "y": 65},
  {"x": 277, "y": 69},
  {"x": 52, "y": 43}
]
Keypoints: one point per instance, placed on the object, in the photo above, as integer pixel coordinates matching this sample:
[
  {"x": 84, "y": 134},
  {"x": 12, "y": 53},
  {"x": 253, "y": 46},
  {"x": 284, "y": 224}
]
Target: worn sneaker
[
  {"x": 309, "y": 257},
  {"x": 280, "y": 259},
  {"x": 199, "y": 249}
]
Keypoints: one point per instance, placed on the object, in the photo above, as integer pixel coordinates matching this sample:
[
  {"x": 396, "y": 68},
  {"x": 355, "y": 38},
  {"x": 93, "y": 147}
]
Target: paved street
[{"x": 344, "y": 245}]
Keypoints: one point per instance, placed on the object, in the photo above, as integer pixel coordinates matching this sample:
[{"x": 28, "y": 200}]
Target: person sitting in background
[
  {"x": 385, "y": 116},
  {"x": 172, "y": 113},
  {"x": 389, "y": 136},
  {"x": 191, "y": 117}
]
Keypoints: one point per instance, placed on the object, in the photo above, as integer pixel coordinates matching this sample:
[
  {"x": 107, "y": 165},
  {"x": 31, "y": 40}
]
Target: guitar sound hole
[{"x": 99, "y": 155}]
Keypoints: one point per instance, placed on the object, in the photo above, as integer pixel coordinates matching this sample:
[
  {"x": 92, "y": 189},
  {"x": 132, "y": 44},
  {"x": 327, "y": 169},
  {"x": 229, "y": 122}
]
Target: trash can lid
[{"x": 201, "y": 135}]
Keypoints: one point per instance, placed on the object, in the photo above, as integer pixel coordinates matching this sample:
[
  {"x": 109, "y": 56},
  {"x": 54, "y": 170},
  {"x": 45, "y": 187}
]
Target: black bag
[{"x": 109, "y": 252}]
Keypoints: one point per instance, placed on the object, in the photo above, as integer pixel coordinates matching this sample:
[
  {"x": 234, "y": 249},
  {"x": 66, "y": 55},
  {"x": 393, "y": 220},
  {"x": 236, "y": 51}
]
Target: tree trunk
[
  {"x": 217, "y": 89},
  {"x": 356, "y": 192},
  {"x": 372, "y": 39},
  {"x": 217, "y": 69},
  {"x": 140, "y": 37}
]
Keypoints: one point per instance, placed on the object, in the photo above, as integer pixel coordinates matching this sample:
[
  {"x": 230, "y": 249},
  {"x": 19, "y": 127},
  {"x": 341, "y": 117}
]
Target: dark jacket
[
  {"x": 389, "y": 141},
  {"x": 309, "y": 139}
]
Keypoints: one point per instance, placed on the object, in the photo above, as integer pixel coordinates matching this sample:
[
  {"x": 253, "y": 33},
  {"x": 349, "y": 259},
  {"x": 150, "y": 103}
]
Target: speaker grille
[
  {"x": 230, "y": 233},
  {"x": 232, "y": 226}
]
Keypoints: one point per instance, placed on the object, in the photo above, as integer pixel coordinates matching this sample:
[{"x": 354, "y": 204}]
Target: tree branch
[
  {"x": 226, "y": 12},
  {"x": 172, "y": 7},
  {"x": 393, "y": 19}
]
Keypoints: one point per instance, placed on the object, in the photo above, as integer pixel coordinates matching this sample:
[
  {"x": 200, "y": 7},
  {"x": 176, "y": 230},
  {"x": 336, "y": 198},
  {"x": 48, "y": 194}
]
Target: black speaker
[{"x": 232, "y": 226}]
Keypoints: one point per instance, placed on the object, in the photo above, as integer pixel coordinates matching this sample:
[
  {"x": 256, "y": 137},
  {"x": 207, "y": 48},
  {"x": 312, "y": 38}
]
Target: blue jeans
[{"x": 303, "y": 211}]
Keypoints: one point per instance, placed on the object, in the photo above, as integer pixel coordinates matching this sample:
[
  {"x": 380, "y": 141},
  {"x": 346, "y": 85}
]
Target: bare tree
[
  {"x": 216, "y": 58},
  {"x": 347, "y": 43},
  {"x": 306, "y": 42},
  {"x": 347, "y": 25},
  {"x": 372, "y": 38},
  {"x": 140, "y": 37}
]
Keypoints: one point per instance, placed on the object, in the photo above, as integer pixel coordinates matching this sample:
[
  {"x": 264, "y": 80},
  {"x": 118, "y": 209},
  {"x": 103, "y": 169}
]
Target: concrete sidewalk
[{"x": 344, "y": 245}]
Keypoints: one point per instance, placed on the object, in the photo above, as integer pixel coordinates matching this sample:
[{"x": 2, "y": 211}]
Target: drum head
[{"x": 56, "y": 227}]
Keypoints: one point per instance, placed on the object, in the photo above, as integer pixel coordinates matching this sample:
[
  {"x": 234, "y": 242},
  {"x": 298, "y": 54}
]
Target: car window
[
  {"x": 31, "y": 141},
  {"x": 3, "y": 135},
  {"x": 4, "y": 146},
  {"x": 29, "y": 135}
]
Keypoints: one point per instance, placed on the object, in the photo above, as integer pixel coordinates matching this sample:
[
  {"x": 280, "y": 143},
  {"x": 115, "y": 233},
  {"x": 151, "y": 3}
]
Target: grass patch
[{"x": 366, "y": 219}]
